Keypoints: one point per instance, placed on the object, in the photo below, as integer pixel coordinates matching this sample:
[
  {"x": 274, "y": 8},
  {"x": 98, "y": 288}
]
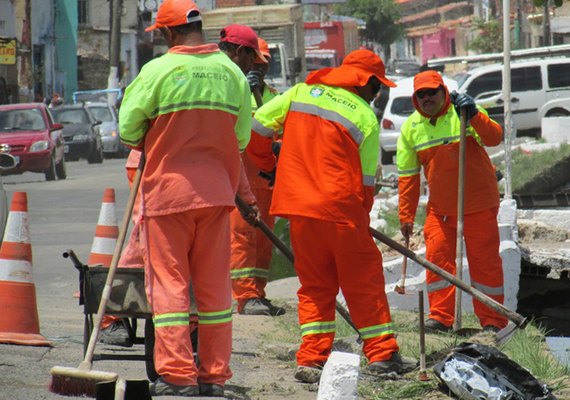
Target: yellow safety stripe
[
  {"x": 249, "y": 273},
  {"x": 377, "y": 330},
  {"x": 171, "y": 319},
  {"x": 313, "y": 328},
  {"x": 215, "y": 317}
]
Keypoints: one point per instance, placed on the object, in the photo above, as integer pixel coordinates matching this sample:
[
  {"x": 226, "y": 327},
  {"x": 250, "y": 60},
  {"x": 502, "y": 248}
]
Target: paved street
[{"x": 62, "y": 215}]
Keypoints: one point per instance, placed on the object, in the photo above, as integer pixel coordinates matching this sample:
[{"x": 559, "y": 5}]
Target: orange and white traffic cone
[
  {"x": 106, "y": 232},
  {"x": 19, "y": 322}
]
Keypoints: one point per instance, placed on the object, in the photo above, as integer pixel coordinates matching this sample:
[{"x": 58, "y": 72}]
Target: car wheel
[
  {"x": 50, "y": 171},
  {"x": 61, "y": 170},
  {"x": 386, "y": 157},
  {"x": 96, "y": 156},
  {"x": 557, "y": 112}
]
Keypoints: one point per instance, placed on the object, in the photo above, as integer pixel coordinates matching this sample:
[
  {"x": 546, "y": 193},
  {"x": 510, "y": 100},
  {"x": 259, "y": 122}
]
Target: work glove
[
  {"x": 251, "y": 216},
  {"x": 276, "y": 148},
  {"x": 407, "y": 228},
  {"x": 463, "y": 100},
  {"x": 254, "y": 79},
  {"x": 269, "y": 176}
]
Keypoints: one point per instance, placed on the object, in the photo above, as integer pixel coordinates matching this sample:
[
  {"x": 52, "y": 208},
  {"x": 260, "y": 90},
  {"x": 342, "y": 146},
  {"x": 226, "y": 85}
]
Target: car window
[
  {"x": 489, "y": 82},
  {"x": 402, "y": 106},
  {"x": 22, "y": 120},
  {"x": 525, "y": 79},
  {"x": 74, "y": 116},
  {"x": 558, "y": 75},
  {"x": 101, "y": 114}
]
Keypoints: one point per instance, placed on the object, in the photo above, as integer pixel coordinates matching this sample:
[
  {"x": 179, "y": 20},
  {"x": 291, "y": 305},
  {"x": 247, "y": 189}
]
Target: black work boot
[
  {"x": 396, "y": 363},
  {"x": 116, "y": 334},
  {"x": 261, "y": 306},
  {"x": 308, "y": 374},
  {"x": 163, "y": 388},
  {"x": 434, "y": 326}
]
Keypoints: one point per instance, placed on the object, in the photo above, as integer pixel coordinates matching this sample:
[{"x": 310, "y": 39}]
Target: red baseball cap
[
  {"x": 242, "y": 35},
  {"x": 264, "y": 49},
  {"x": 174, "y": 13},
  {"x": 356, "y": 69}
]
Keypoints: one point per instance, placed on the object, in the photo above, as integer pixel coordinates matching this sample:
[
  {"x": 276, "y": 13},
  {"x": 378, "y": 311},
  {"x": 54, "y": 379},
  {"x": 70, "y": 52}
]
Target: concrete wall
[{"x": 556, "y": 129}]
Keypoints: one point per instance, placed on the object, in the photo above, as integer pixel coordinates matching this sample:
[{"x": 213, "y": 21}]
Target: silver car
[{"x": 109, "y": 128}]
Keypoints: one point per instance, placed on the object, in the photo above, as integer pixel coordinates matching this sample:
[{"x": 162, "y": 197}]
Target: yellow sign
[{"x": 7, "y": 51}]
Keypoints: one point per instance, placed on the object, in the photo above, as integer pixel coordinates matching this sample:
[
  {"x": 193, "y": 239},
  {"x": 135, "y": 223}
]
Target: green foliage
[
  {"x": 381, "y": 17},
  {"x": 281, "y": 267},
  {"x": 540, "y": 3},
  {"x": 489, "y": 38}
]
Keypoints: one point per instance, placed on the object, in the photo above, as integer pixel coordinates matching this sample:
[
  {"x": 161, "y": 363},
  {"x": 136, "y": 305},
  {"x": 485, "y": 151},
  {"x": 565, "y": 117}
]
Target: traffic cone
[
  {"x": 106, "y": 232},
  {"x": 19, "y": 322}
]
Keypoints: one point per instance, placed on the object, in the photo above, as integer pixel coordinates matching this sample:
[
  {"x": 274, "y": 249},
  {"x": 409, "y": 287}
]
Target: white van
[{"x": 537, "y": 88}]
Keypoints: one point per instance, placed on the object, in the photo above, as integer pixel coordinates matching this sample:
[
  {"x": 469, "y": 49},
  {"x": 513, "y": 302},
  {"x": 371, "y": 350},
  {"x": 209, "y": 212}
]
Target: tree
[
  {"x": 489, "y": 38},
  {"x": 540, "y": 3},
  {"x": 381, "y": 17}
]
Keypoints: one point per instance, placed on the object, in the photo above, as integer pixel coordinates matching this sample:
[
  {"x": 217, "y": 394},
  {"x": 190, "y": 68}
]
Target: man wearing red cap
[
  {"x": 430, "y": 139},
  {"x": 189, "y": 111},
  {"x": 325, "y": 187},
  {"x": 240, "y": 43}
]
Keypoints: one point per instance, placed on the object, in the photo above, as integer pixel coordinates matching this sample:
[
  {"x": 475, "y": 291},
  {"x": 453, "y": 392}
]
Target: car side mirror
[
  {"x": 7, "y": 161},
  {"x": 97, "y": 123},
  {"x": 56, "y": 127}
]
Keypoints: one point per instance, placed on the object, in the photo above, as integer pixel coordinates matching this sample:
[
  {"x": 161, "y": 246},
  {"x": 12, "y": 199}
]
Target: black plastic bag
[{"x": 477, "y": 372}]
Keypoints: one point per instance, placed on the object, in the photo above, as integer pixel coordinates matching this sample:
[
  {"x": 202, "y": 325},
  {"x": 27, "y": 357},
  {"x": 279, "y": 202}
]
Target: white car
[{"x": 398, "y": 108}]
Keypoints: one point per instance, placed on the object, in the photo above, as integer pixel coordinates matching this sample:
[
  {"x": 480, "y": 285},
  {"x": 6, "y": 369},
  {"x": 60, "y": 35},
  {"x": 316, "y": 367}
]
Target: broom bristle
[{"x": 76, "y": 382}]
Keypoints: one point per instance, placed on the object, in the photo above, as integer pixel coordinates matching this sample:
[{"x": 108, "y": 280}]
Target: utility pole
[
  {"x": 546, "y": 25},
  {"x": 507, "y": 94},
  {"x": 114, "y": 49}
]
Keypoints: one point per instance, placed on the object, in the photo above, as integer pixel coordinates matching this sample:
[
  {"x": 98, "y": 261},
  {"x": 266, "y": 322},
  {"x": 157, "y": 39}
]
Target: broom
[{"x": 81, "y": 381}]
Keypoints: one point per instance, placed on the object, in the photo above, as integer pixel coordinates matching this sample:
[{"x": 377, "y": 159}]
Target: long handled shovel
[
  {"x": 504, "y": 334},
  {"x": 245, "y": 208},
  {"x": 82, "y": 380},
  {"x": 400, "y": 288},
  {"x": 459, "y": 237}
]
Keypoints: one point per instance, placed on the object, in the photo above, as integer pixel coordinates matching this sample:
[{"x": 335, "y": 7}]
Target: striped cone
[
  {"x": 106, "y": 233},
  {"x": 19, "y": 322}
]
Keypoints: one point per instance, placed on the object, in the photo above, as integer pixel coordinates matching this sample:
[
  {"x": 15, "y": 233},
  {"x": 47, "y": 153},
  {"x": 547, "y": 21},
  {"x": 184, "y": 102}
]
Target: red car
[{"x": 29, "y": 133}]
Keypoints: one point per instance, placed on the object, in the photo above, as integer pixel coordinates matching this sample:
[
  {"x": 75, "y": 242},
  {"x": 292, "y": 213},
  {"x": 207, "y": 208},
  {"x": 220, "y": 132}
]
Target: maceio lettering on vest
[{"x": 341, "y": 100}]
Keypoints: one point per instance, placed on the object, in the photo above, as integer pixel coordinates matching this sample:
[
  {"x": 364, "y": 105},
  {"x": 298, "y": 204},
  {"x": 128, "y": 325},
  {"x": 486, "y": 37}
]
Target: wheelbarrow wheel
[{"x": 149, "y": 350}]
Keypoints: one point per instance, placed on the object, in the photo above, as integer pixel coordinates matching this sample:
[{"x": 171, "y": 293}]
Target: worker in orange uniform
[
  {"x": 251, "y": 250},
  {"x": 430, "y": 139},
  {"x": 189, "y": 111},
  {"x": 325, "y": 186}
]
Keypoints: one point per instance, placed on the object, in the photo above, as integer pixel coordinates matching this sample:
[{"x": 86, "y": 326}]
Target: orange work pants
[
  {"x": 481, "y": 235},
  {"x": 251, "y": 251},
  {"x": 190, "y": 246},
  {"x": 329, "y": 255}
]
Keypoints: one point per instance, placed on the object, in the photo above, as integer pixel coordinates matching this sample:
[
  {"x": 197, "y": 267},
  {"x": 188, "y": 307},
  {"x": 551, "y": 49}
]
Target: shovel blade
[{"x": 505, "y": 334}]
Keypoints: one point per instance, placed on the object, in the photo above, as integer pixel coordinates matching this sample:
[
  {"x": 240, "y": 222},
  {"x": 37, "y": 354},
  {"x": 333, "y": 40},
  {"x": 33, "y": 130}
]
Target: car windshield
[
  {"x": 70, "y": 116},
  {"x": 402, "y": 106},
  {"x": 101, "y": 114},
  {"x": 274, "y": 70},
  {"x": 21, "y": 120},
  {"x": 461, "y": 78}
]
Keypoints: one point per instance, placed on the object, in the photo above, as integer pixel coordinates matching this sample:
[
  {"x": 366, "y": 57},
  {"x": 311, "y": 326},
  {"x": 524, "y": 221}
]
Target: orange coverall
[
  {"x": 436, "y": 149},
  {"x": 324, "y": 186},
  {"x": 251, "y": 250},
  {"x": 191, "y": 110}
]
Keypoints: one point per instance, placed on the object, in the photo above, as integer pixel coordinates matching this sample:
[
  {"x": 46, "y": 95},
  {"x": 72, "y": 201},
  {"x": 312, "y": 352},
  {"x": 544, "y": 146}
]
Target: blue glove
[
  {"x": 254, "y": 79},
  {"x": 463, "y": 100}
]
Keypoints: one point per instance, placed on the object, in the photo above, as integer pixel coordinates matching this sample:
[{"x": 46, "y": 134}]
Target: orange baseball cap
[
  {"x": 264, "y": 50},
  {"x": 428, "y": 80},
  {"x": 242, "y": 35},
  {"x": 174, "y": 13},
  {"x": 356, "y": 69}
]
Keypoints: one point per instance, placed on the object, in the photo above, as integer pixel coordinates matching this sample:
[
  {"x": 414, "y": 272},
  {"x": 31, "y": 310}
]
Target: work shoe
[
  {"x": 434, "y": 326},
  {"x": 162, "y": 388},
  {"x": 396, "y": 363},
  {"x": 211, "y": 390},
  {"x": 491, "y": 328},
  {"x": 307, "y": 374},
  {"x": 261, "y": 306},
  {"x": 116, "y": 334}
]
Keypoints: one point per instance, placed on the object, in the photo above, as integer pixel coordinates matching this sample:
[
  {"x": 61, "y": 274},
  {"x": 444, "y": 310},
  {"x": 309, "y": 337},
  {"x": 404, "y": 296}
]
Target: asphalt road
[{"x": 62, "y": 215}]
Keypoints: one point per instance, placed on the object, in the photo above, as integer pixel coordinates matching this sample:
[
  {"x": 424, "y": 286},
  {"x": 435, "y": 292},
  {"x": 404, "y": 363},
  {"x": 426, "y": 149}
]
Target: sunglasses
[{"x": 426, "y": 92}]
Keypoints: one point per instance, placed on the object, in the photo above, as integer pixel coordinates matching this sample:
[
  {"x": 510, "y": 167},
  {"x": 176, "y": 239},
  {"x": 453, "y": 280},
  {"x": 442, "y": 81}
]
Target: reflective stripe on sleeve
[
  {"x": 436, "y": 142},
  {"x": 313, "y": 328},
  {"x": 171, "y": 319},
  {"x": 215, "y": 317},
  {"x": 407, "y": 172},
  {"x": 196, "y": 104},
  {"x": 262, "y": 130}
]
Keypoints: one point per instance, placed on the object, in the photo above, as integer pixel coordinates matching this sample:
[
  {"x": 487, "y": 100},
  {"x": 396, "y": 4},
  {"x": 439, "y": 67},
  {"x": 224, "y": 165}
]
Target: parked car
[
  {"x": 29, "y": 133},
  {"x": 398, "y": 108},
  {"x": 109, "y": 128},
  {"x": 405, "y": 67},
  {"x": 537, "y": 88},
  {"x": 81, "y": 133}
]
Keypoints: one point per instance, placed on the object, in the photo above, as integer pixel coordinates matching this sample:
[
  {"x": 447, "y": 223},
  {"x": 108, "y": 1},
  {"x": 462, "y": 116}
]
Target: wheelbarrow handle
[
  {"x": 245, "y": 208},
  {"x": 518, "y": 319}
]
